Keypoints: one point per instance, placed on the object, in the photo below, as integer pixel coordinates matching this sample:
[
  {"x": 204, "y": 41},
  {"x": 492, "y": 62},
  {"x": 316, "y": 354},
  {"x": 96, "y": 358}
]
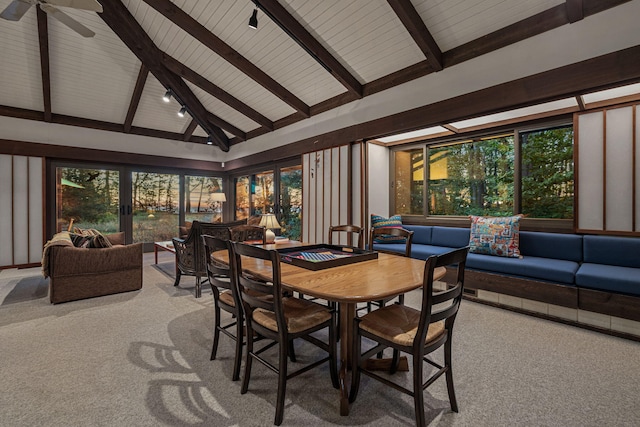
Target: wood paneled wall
[
  {"x": 21, "y": 210},
  {"x": 332, "y": 190},
  {"x": 607, "y": 162}
]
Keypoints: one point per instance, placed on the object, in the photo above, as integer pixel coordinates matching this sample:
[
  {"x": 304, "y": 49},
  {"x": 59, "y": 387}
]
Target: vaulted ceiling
[{"x": 237, "y": 83}]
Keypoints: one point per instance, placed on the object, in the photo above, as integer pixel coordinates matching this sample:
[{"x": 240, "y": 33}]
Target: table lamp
[{"x": 269, "y": 222}]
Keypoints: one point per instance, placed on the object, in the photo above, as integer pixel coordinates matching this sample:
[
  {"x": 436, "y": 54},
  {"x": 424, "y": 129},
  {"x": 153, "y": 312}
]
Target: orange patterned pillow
[{"x": 498, "y": 236}]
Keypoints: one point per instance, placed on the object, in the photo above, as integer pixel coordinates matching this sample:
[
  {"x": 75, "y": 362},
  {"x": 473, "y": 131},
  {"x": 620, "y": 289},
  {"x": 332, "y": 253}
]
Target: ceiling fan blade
[
  {"x": 15, "y": 10},
  {"x": 67, "y": 20},
  {"x": 91, "y": 5}
]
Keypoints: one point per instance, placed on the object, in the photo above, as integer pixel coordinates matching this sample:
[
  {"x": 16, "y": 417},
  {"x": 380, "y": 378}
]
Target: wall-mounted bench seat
[{"x": 594, "y": 273}]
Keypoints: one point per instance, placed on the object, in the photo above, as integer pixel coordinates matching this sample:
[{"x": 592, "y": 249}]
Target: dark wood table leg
[
  {"x": 347, "y": 313},
  {"x": 155, "y": 252}
]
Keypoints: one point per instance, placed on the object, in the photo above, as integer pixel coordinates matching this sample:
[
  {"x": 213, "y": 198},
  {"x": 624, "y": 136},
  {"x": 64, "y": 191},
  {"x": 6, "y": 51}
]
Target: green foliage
[
  {"x": 479, "y": 178},
  {"x": 547, "y": 173},
  {"x": 291, "y": 202}
]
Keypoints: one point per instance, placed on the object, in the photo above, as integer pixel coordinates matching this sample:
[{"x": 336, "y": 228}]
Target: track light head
[
  {"x": 209, "y": 141},
  {"x": 182, "y": 111},
  {"x": 253, "y": 21},
  {"x": 167, "y": 96}
]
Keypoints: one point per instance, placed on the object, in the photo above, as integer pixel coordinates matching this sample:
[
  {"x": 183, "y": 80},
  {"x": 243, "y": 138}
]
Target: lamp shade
[
  {"x": 269, "y": 221},
  {"x": 218, "y": 197}
]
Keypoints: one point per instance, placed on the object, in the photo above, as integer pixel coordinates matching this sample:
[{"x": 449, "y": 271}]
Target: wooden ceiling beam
[
  {"x": 575, "y": 11},
  {"x": 21, "y": 113},
  {"x": 188, "y": 133},
  {"x": 206, "y": 37},
  {"x": 120, "y": 20},
  {"x": 215, "y": 91},
  {"x": 43, "y": 39},
  {"x": 414, "y": 24},
  {"x": 294, "y": 29},
  {"x": 135, "y": 97}
]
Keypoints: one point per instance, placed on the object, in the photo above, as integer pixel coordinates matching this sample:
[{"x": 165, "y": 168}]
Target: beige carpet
[{"x": 142, "y": 359}]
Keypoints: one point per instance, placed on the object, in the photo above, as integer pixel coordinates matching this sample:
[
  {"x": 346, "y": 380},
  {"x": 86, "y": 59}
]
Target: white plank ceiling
[{"x": 94, "y": 78}]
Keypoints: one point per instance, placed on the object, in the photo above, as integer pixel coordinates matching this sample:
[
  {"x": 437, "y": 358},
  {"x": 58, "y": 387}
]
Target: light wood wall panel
[
  {"x": 330, "y": 192},
  {"x": 607, "y": 168},
  {"x": 21, "y": 210}
]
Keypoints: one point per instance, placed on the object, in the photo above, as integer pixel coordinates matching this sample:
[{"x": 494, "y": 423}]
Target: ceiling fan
[{"x": 17, "y": 9}]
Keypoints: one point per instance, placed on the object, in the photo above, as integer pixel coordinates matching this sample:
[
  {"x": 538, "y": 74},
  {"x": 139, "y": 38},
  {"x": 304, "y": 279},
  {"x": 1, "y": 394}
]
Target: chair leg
[
  {"x": 178, "y": 276},
  {"x": 449, "y": 376},
  {"x": 333, "y": 361},
  {"x": 395, "y": 362},
  {"x": 198, "y": 287},
  {"x": 247, "y": 360},
  {"x": 216, "y": 330},
  {"x": 282, "y": 381},
  {"x": 238, "y": 357},
  {"x": 401, "y": 299},
  {"x": 418, "y": 391},
  {"x": 355, "y": 369},
  {"x": 292, "y": 352}
]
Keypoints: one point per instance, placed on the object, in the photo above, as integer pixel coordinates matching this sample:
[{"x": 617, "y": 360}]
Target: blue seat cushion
[
  {"x": 421, "y": 234},
  {"x": 390, "y": 247},
  {"x": 425, "y": 251},
  {"x": 621, "y": 251},
  {"x": 452, "y": 237},
  {"x": 551, "y": 245},
  {"x": 610, "y": 278},
  {"x": 554, "y": 270}
]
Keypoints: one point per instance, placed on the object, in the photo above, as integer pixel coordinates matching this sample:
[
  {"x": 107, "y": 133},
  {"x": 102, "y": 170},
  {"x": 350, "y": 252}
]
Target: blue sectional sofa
[{"x": 594, "y": 273}]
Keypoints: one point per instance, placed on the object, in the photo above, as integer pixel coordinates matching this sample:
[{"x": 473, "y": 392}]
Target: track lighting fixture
[
  {"x": 167, "y": 96},
  {"x": 253, "y": 21},
  {"x": 209, "y": 141},
  {"x": 182, "y": 111}
]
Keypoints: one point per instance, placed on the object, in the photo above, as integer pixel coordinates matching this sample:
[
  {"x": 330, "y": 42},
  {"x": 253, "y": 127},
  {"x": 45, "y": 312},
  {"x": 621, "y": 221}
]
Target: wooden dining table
[{"x": 373, "y": 280}]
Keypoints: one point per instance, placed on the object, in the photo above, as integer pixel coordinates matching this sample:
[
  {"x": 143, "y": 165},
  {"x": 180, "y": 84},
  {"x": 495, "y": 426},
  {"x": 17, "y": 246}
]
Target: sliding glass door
[
  {"x": 148, "y": 205},
  {"x": 277, "y": 190}
]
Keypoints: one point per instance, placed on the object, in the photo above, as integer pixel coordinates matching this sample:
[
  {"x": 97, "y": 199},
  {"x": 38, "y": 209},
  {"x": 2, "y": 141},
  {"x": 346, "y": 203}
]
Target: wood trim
[
  {"x": 593, "y": 74},
  {"x": 207, "y": 38},
  {"x": 575, "y": 10},
  {"x": 612, "y": 304},
  {"x": 580, "y": 101},
  {"x": 89, "y": 154},
  {"x": 28, "y": 210},
  {"x": 547, "y": 292},
  {"x": 43, "y": 41},
  {"x": 634, "y": 165},
  {"x": 604, "y": 170},
  {"x": 135, "y": 97},
  {"x": 576, "y": 174},
  {"x": 414, "y": 24},
  {"x": 13, "y": 225},
  {"x": 300, "y": 35},
  {"x": 608, "y": 233},
  {"x": 613, "y": 102}
]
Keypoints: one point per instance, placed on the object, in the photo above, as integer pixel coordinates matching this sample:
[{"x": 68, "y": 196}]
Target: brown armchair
[{"x": 190, "y": 253}]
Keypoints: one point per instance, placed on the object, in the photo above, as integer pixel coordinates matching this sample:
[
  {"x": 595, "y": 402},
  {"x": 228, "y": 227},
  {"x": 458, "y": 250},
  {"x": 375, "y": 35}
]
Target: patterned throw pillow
[
  {"x": 395, "y": 221},
  {"x": 89, "y": 239},
  {"x": 498, "y": 236}
]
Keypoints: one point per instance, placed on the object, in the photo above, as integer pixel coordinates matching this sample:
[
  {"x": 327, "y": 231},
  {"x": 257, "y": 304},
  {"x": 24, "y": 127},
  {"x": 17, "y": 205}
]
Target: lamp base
[{"x": 271, "y": 236}]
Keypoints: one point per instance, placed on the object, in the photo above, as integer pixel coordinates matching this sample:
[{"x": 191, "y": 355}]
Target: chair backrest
[
  {"x": 219, "y": 273},
  {"x": 244, "y": 233},
  {"x": 447, "y": 302},
  {"x": 350, "y": 230},
  {"x": 392, "y": 233},
  {"x": 252, "y": 290}
]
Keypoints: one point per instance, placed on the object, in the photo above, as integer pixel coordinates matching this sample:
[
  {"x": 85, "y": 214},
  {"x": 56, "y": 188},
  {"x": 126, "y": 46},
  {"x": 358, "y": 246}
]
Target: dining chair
[
  {"x": 417, "y": 332},
  {"x": 248, "y": 233},
  {"x": 351, "y": 231},
  {"x": 225, "y": 297},
  {"x": 387, "y": 234},
  {"x": 279, "y": 320}
]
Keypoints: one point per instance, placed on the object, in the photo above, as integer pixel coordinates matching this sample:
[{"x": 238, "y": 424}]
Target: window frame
[{"x": 529, "y": 224}]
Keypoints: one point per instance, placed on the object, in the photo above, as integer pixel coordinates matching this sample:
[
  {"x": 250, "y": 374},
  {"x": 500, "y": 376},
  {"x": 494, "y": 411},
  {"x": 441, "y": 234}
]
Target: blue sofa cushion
[
  {"x": 551, "y": 245},
  {"x": 425, "y": 251},
  {"x": 452, "y": 237},
  {"x": 390, "y": 247},
  {"x": 421, "y": 234},
  {"x": 555, "y": 270},
  {"x": 621, "y": 251},
  {"x": 610, "y": 278}
]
